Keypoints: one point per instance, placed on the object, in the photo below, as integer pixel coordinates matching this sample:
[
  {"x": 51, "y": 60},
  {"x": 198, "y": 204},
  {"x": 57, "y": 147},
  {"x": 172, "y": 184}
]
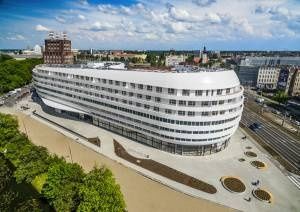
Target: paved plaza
[{"x": 208, "y": 168}]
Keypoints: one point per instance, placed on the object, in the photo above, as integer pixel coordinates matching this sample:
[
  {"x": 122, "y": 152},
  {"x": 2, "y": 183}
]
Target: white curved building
[{"x": 187, "y": 113}]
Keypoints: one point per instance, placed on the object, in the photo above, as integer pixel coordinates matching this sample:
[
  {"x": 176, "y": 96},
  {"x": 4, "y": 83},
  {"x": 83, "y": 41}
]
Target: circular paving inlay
[
  {"x": 233, "y": 184},
  {"x": 262, "y": 195},
  {"x": 250, "y": 154},
  {"x": 258, "y": 164}
]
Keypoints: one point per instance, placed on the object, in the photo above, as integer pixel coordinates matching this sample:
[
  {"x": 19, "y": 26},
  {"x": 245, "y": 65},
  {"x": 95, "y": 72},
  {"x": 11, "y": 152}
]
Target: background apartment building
[
  {"x": 57, "y": 49},
  {"x": 267, "y": 77},
  {"x": 295, "y": 88},
  {"x": 173, "y": 60}
]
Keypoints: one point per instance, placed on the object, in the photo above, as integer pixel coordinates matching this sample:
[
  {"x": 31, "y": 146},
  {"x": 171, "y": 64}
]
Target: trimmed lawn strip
[{"x": 164, "y": 170}]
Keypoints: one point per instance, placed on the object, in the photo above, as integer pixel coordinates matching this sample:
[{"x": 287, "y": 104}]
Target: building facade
[
  {"x": 192, "y": 113},
  {"x": 295, "y": 84},
  {"x": 247, "y": 75},
  {"x": 271, "y": 61},
  {"x": 173, "y": 60},
  {"x": 268, "y": 77},
  {"x": 57, "y": 50}
]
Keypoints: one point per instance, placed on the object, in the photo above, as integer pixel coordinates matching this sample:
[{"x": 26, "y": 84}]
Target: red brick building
[{"x": 57, "y": 50}]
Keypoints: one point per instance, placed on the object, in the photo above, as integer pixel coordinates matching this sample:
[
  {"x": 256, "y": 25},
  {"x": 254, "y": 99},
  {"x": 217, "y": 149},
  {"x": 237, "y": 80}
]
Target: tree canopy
[
  {"x": 65, "y": 185},
  {"x": 99, "y": 192},
  {"x": 281, "y": 97},
  {"x": 15, "y": 73}
]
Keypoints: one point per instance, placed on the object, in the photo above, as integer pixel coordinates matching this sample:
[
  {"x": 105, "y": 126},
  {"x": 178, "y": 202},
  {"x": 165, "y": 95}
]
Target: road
[{"x": 281, "y": 142}]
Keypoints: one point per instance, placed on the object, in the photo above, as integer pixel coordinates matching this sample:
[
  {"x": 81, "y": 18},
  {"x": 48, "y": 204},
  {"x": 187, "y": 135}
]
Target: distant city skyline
[{"x": 154, "y": 25}]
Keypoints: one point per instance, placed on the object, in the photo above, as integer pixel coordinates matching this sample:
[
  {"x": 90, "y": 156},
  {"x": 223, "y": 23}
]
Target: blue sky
[{"x": 155, "y": 24}]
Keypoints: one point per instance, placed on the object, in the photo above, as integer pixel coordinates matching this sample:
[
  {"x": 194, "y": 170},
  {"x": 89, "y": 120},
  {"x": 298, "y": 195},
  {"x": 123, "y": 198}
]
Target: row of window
[
  {"x": 155, "y": 133},
  {"x": 141, "y": 96},
  {"x": 170, "y": 91},
  {"x": 155, "y": 108},
  {"x": 137, "y": 113}
]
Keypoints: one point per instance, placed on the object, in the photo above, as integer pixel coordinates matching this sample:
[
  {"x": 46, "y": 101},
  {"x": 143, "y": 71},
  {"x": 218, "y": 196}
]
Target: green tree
[
  {"x": 15, "y": 73},
  {"x": 34, "y": 160},
  {"x": 31, "y": 205},
  {"x": 151, "y": 58},
  {"x": 100, "y": 192},
  {"x": 5, "y": 174},
  {"x": 6, "y": 200},
  {"x": 62, "y": 186},
  {"x": 281, "y": 97},
  {"x": 4, "y": 57}
]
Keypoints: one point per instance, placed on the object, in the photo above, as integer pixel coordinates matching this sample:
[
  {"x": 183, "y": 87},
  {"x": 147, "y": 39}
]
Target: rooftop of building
[{"x": 111, "y": 65}]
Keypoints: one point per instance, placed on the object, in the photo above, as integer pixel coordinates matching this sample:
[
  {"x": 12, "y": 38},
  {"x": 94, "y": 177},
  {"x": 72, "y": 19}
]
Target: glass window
[
  {"x": 185, "y": 92},
  {"x": 159, "y": 89},
  {"x": 191, "y": 113},
  {"x": 205, "y": 103},
  {"x": 171, "y": 91},
  {"x": 157, "y": 99},
  {"x": 172, "y": 102},
  {"x": 148, "y": 97},
  {"x": 168, "y": 111},
  {"x": 140, "y": 86},
  {"x": 198, "y": 93},
  {"x": 191, "y": 103},
  {"x": 139, "y": 96},
  {"x": 181, "y": 113},
  {"x": 182, "y": 103},
  {"x": 156, "y": 109},
  {"x": 149, "y": 87},
  {"x": 132, "y": 85}
]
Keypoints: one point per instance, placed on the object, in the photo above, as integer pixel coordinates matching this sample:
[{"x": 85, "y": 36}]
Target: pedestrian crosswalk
[{"x": 295, "y": 179}]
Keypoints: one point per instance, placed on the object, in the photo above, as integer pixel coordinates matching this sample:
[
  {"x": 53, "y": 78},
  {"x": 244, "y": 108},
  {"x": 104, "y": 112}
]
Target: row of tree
[
  {"x": 64, "y": 185},
  {"x": 15, "y": 73}
]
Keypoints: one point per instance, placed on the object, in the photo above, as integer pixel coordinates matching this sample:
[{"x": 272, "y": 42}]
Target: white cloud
[
  {"x": 60, "y": 19},
  {"x": 204, "y": 3},
  {"x": 177, "y": 21},
  {"x": 151, "y": 36},
  {"x": 81, "y": 17},
  {"x": 97, "y": 26},
  {"x": 16, "y": 37},
  {"x": 40, "y": 27}
]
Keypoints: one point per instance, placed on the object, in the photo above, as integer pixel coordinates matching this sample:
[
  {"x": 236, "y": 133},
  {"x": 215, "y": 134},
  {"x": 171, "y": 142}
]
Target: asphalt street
[{"x": 282, "y": 143}]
